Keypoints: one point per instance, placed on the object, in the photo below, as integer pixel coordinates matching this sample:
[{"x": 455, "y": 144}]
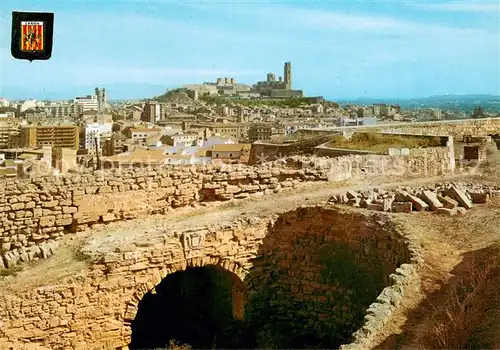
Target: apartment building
[
  {"x": 89, "y": 102},
  {"x": 141, "y": 133},
  {"x": 114, "y": 145},
  {"x": 94, "y": 131},
  {"x": 66, "y": 136},
  {"x": 153, "y": 112},
  {"x": 8, "y": 129},
  {"x": 236, "y": 130},
  {"x": 259, "y": 132},
  {"x": 230, "y": 153},
  {"x": 65, "y": 109},
  {"x": 184, "y": 140}
]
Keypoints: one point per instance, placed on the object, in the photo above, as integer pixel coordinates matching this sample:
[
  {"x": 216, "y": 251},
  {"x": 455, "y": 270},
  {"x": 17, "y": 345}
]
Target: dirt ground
[{"x": 450, "y": 244}]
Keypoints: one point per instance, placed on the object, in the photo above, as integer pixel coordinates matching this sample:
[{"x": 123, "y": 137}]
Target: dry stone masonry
[
  {"x": 443, "y": 198},
  {"x": 456, "y": 128},
  {"x": 321, "y": 270},
  {"x": 291, "y": 260},
  {"x": 35, "y": 214}
]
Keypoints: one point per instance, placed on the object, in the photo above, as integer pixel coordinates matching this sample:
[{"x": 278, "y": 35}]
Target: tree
[{"x": 478, "y": 112}]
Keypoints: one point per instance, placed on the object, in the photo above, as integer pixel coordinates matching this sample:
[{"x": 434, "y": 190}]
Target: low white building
[
  {"x": 218, "y": 140},
  {"x": 185, "y": 140}
]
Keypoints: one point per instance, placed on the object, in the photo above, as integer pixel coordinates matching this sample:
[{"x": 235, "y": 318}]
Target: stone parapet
[{"x": 43, "y": 210}]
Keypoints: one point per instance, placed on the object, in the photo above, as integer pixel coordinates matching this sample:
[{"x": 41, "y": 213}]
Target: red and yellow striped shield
[{"x": 32, "y": 36}]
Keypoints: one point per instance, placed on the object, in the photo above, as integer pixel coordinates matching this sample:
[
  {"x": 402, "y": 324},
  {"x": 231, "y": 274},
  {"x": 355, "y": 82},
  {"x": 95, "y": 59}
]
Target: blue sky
[{"x": 338, "y": 49}]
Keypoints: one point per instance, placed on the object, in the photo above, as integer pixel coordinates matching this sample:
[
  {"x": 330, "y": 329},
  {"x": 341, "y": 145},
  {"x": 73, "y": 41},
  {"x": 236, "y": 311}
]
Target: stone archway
[{"x": 238, "y": 292}]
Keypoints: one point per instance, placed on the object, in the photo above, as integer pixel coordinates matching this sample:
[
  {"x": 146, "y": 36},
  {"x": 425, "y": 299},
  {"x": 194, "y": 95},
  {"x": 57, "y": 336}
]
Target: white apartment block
[
  {"x": 88, "y": 102},
  {"x": 25, "y": 105},
  {"x": 65, "y": 109},
  {"x": 93, "y": 131}
]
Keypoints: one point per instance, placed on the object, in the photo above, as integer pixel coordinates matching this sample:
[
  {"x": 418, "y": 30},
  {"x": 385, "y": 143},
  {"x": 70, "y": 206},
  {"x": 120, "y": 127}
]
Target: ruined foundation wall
[
  {"x": 95, "y": 308},
  {"x": 319, "y": 271},
  {"x": 456, "y": 128},
  {"x": 35, "y": 214}
]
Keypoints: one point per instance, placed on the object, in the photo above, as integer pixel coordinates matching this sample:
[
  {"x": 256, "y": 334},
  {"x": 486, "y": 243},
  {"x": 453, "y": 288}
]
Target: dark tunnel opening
[{"x": 192, "y": 307}]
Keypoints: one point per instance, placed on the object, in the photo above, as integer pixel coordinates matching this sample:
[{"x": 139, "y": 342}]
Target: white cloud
[
  {"x": 486, "y": 7},
  {"x": 329, "y": 20},
  {"x": 118, "y": 74}
]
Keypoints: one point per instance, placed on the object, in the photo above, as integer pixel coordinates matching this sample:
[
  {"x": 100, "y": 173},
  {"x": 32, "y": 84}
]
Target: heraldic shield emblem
[{"x": 32, "y": 35}]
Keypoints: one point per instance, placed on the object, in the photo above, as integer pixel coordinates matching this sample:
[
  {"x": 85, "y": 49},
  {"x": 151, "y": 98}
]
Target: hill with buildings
[{"x": 176, "y": 96}]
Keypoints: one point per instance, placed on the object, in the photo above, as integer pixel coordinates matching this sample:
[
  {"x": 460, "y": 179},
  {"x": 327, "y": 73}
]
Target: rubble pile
[{"x": 442, "y": 198}]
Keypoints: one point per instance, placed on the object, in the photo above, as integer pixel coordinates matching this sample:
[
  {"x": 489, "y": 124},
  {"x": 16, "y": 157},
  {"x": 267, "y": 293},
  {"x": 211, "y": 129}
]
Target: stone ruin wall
[
  {"x": 457, "y": 128},
  {"x": 94, "y": 308},
  {"x": 320, "y": 263},
  {"x": 35, "y": 214}
]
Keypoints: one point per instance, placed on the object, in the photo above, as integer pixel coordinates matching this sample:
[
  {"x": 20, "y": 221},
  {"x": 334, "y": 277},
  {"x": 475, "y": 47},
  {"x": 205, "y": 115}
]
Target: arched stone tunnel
[
  {"x": 201, "y": 306},
  {"x": 309, "y": 285},
  {"x": 304, "y": 279}
]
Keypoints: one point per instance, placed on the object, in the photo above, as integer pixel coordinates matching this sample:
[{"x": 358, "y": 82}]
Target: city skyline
[{"x": 338, "y": 50}]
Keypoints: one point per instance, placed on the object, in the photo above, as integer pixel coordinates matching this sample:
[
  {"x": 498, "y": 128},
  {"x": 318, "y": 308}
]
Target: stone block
[
  {"x": 250, "y": 188},
  {"x": 418, "y": 204},
  {"x": 211, "y": 185},
  {"x": 166, "y": 182},
  {"x": 333, "y": 199},
  {"x": 402, "y": 207},
  {"x": 69, "y": 210},
  {"x": 373, "y": 206},
  {"x": 50, "y": 204},
  {"x": 448, "y": 202},
  {"x": 352, "y": 194},
  {"x": 263, "y": 174},
  {"x": 104, "y": 189},
  {"x": 11, "y": 258},
  {"x": 479, "y": 197},
  {"x": 431, "y": 199},
  {"x": 108, "y": 217},
  {"x": 64, "y": 222},
  {"x": 461, "y": 210},
  {"x": 46, "y": 221},
  {"x": 78, "y": 193},
  {"x": 226, "y": 196},
  {"x": 355, "y": 202},
  {"x": 138, "y": 267},
  {"x": 5, "y": 246},
  {"x": 460, "y": 197},
  {"x": 446, "y": 211},
  {"x": 91, "y": 189},
  {"x": 232, "y": 189},
  {"x": 17, "y": 206},
  {"x": 401, "y": 196}
]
